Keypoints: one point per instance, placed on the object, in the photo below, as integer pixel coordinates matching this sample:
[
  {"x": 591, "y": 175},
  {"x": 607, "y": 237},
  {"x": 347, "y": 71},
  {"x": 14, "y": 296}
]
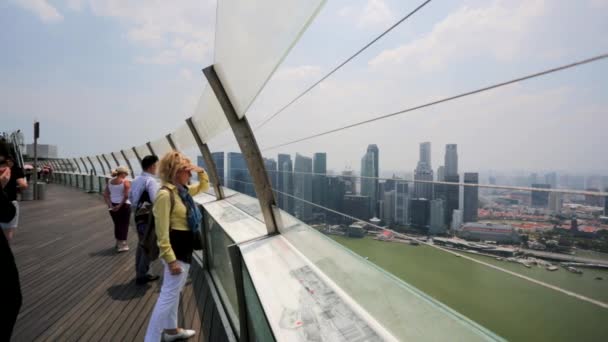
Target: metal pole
[
  {"x": 137, "y": 155},
  {"x": 107, "y": 163},
  {"x": 150, "y": 148},
  {"x": 171, "y": 143},
  {"x": 86, "y": 169},
  {"x": 36, "y": 136},
  {"x": 115, "y": 159},
  {"x": 128, "y": 163},
  {"x": 92, "y": 166},
  {"x": 103, "y": 169},
  {"x": 211, "y": 167},
  {"x": 249, "y": 147}
]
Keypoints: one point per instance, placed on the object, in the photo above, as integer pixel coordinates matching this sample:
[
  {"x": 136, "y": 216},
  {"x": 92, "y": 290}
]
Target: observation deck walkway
[{"x": 74, "y": 285}]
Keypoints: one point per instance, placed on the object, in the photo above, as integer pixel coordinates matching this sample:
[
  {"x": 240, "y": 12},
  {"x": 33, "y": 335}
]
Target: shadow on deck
[{"x": 75, "y": 287}]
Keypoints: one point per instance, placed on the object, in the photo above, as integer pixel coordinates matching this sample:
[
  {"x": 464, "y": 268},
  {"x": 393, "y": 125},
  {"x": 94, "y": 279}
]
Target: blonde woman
[
  {"x": 116, "y": 195},
  {"x": 177, "y": 218}
]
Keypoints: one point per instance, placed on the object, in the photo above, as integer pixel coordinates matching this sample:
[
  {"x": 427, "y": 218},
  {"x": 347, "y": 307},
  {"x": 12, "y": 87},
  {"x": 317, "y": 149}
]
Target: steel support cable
[
  {"x": 443, "y": 100},
  {"x": 476, "y": 185},
  {"x": 269, "y": 118}
]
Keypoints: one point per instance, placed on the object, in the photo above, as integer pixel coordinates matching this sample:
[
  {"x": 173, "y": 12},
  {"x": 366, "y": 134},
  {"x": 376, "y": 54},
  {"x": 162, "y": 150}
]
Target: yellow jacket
[{"x": 166, "y": 219}]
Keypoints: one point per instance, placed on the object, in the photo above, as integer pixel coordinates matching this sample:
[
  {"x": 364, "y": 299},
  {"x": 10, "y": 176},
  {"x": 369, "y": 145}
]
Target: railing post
[
  {"x": 150, "y": 148},
  {"x": 211, "y": 167},
  {"x": 115, "y": 159},
  {"x": 103, "y": 169},
  {"x": 171, "y": 143},
  {"x": 249, "y": 147},
  {"x": 92, "y": 166},
  {"x": 128, "y": 163},
  {"x": 136, "y": 155}
]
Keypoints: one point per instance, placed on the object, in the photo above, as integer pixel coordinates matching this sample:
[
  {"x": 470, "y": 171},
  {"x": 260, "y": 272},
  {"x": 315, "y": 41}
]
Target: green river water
[{"x": 513, "y": 308}]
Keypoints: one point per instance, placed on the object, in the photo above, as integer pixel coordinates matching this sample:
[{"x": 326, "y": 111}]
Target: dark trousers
[
  {"x": 10, "y": 290},
  {"x": 142, "y": 264},
  {"x": 121, "y": 221}
]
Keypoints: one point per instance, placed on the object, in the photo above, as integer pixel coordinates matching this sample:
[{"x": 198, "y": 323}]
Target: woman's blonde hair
[
  {"x": 120, "y": 170},
  {"x": 170, "y": 164}
]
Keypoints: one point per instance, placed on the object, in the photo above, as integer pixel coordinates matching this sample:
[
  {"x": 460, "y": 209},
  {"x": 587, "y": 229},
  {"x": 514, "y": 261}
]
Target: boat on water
[
  {"x": 574, "y": 270},
  {"x": 551, "y": 268}
]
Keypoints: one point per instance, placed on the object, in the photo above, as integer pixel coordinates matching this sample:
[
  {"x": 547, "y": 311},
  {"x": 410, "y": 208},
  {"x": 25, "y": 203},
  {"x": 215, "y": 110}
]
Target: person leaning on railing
[{"x": 176, "y": 218}]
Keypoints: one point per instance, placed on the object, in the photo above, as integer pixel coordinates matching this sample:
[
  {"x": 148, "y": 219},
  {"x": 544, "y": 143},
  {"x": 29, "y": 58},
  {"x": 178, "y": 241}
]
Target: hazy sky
[{"x": 104, "y": 75}]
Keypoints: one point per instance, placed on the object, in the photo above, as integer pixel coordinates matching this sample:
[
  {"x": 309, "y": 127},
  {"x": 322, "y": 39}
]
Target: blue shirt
[{"x": 143, "y": 182}]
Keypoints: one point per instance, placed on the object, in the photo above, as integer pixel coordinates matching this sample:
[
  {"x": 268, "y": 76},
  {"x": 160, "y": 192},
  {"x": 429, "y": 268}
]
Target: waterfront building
[
  {"x": 456, "y": 219},
  {"x": 357, "y": 206},
  {"x": 471, "y": 197},
  {"x": 420, "y": 212},
  {"x": 488, "y": 232}
]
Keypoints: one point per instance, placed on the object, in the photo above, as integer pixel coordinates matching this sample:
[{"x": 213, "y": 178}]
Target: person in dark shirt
[{"x": 15, "y": 184}]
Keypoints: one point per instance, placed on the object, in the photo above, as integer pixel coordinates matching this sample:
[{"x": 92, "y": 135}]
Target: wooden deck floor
[{"x": 75, "y": 287}]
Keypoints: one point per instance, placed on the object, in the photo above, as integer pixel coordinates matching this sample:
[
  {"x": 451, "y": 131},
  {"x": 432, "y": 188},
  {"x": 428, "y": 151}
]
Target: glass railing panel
[
  {"x": 183, "y": 137},
  {"x": 161, "y": 146},
  {"x": 209, "y": 118},
  {"x": 237, "y": 223}
]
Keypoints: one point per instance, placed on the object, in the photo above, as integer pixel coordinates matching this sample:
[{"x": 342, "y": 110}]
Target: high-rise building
[
  {"x": 336, "y": 190},
  {"x": 456, "y": 219},
  {"x": 218, "y": 159},
  {"x": 285, "y": 183},
  {"x": 389, "y": 206},
  {"x": 452, "y": 197},
  {"x": 319, "y": 180},
  {"x": 471, "y": 197},
  {"x": 424, "y": 172},
  {"x": 350, "y": 183},
  {"x": 402, "y": 203},
  {"x": 441, "y": 173},
  {"x": 272, "y": 171},
  {"x": 373, "y": 149},
  {"x": 451, "y": 160},
  {"x": 239, "y": 178},
  {"x": 555, "y": 202},
  {"x": 368, "y": 182},
  {"x": 437, "y": 222},
  {"x": 593, "y": 200},
  {"x": 551, "y": 179},
  {"x": 303, "y": 187},
  {"x": 420, "y": 212},
  {"x": 540, "y": 199},
  {"x": 357, "y": 206}
]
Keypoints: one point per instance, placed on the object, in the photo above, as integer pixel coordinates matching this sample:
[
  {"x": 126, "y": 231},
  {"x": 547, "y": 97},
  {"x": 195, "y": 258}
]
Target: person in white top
[{"x": 116, "y": 195}]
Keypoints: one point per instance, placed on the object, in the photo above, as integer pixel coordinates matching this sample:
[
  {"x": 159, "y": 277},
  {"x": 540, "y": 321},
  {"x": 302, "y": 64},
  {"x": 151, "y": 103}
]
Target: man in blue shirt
[{"x": 143, "y": 192}]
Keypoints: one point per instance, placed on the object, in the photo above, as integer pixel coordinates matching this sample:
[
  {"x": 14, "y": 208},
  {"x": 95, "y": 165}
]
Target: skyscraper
[
  {"x": 420, "y": 212},
  {"x": 388, "y": 212},
  {"x": 424, "y": 172},
  {"x": 540, "y": 199},
  {"x": 441, "y": 173},
  {"x": 555, "y": 202},
  {"x": 238, "y": 174},
  {"x": 218, "y": 158},
  {"x": 303, "y": 187},
  {"x": 471, "y": 197},
  {"x": 350, "y": 185},
  {"x": 437, "y": 223},
  {"x": 285, "y": 182},
  {"x": 452, "y": 197},
  {"x": 402, "y": 204},
  {"x": 368, "y": 183},
  {"x": 357, "y": 206},
  {"x": 271, "y": 170},
  {"x": 319, "y": 180},
  {"x": 456, "y": 219},
  {"x": 451, "y": 160},
  {"x": 336, "y": 189}
]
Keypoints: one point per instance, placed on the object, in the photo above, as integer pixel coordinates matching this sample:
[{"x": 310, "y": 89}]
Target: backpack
[
  {"x": 149, "y": 243},
  {"x": 7, "y": 208},
  {"x": 143, "y": 209}
]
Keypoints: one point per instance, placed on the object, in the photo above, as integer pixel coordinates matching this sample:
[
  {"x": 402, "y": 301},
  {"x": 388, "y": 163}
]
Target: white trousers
[{"x": 164, "y": 315}]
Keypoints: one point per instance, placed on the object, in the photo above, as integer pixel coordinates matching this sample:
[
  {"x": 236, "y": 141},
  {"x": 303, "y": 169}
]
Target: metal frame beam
[
  {"x": 124, "y": 155},
  {"x": 103, "y": 169},
  {"x": 93, "y": 168},
  {"x": 171, "y": 143},
  {"x": 136, "y": 155},
  {"x": 250, "y": 149},
  {"x": 206, "y": 153},
  {"x": 115, "y": 160},
  {"x": 86, "y": 169},
  {"x": 78, "y": 166},
  {"x": 150, "y": 148},
  {"x": 107, "y": 163}
]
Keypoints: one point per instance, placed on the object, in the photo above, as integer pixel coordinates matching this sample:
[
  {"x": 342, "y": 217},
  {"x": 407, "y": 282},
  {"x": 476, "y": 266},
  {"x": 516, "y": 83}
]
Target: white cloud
[
  {"x": 376, "y": 13},
  {"x": 499, "y": 28},
  {"x": 45, "y": 11},
  {"x": 173, "y": 33}
]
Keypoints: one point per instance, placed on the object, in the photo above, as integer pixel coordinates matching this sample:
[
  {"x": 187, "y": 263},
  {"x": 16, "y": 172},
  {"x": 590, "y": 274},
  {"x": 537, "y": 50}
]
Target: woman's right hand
[{"x": 175, "y": 268}]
